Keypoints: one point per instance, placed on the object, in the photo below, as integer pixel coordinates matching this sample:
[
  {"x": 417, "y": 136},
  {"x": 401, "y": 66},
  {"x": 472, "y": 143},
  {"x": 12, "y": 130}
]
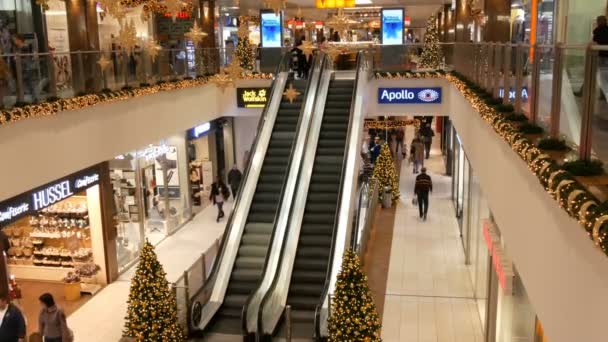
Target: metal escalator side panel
[
  {"x": 348, "y": 194},
  {"x": 280, "y": 230},
  {"x": 232, "y": 241},
  {"x": 276, "y": 298}
]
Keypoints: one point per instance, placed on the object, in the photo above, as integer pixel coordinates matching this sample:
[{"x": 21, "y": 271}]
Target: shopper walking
[
  {"x": 219, "y": 193},
  {"x": 234, "y": 179},
  {"x": 422, "y": 188},
  {"x": 417, "y": 154},
  {"x": 12, "y": 323},
  {"x": 427, "y": 138},
  {"x": 51, "y": 321},
  {"x": 375, "y": 151}
]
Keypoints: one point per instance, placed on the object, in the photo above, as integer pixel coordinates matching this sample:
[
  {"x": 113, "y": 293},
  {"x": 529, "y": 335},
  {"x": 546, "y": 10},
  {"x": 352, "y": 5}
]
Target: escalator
[
  {"x": 307, "y": 253},
  {"x": 320, "y": 213},
  {"x": 252, "y": 251}
]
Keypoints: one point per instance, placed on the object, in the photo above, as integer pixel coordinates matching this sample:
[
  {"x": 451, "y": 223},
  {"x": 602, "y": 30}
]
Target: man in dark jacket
[
  {"x": 12, "y": 323},
  {"x": 234, "y": 179},
  {"x": 424, "y": 185},
  {"x": 375, "y": 151},
  {"x": 427, "y": 138}
]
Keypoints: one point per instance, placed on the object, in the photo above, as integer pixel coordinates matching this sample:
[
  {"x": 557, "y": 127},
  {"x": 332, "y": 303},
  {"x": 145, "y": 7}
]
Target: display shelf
[{"x": 46, "y": 273}]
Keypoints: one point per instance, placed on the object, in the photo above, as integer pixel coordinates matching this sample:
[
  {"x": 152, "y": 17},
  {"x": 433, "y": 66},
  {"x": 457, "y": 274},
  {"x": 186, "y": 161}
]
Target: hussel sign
[{"x": 409, "y": 95}]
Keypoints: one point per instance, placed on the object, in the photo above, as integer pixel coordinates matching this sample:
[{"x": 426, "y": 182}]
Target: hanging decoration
[
  {"x": 307, "y": 48},
  {"x": 174, "y": 7},
  {"x": 340, "y": 22},
  {"x": 127, "y": 36},
  {"x": 152, "y": 48},
  {"x": 196, "y": 35},
  {"x": 234, "y": 69},
  {"x": 222, "y": 81},
  {"x": 115, "y": 8},
  {"x": 291, "y": 93},
  {"x": 390, "y": 124}
]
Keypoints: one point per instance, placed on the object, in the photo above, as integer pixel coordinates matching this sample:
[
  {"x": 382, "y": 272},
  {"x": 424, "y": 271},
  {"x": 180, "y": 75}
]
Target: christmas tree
[
  {"x": 385, "y": 172},
  {"x": 244, "y": 50},
  {"x": 432, "y": 55},
  {"x": 152, "y": 307},
  {"x": 353, "y": 312}
]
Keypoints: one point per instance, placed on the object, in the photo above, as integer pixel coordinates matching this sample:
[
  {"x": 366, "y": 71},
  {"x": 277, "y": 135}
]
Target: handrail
[
  {"x": 273, "y": 298},
  {"x": 339, "y": 217},
  {"x": 249, "y": 312},
  {"x": 368, "y": 200},
  {"x": 210, "y": 285}
]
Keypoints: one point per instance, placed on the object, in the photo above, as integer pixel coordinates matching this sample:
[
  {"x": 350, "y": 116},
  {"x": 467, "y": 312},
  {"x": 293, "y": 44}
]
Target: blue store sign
[{"x": 409, "y": 95}]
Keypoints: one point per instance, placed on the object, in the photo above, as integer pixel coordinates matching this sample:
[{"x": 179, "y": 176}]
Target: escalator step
[
  {"x": 256, "y": 251},
  {"x": 322, "y": 198},
  {"x": 327, "y": 177},
  {"x": 245, "y": 275},
  {"x": 264, "y": 207},
  {"x": 303, "y": 315},
  {"x": 340, "y": 97},
  {"x": 256, "y": 239},
  {"x": 337, "y": 111},
  {"x": 307, "y": 276},
  {"x": 323, "y": 188},
  {"x": 335, "y": 151},
  {"x": 310, "y": 264},
  {"x": 312, "y": 252},
  {"x": 279, "y": 127},
  {"x": 317, "y": 218},
  {"x": 250, "y": 262},
  {"x": 324, "y": 160},
  {"x": 317, "y": 229},
  {"x": 258, "y": 228},
  {"x": 313, "y": 241},
  {"x": 235, "y": 301},
  {"x": 283, "y": 135},
  {"x": 315, "y": 208},
  {"x": 330, "y": 143},
  {"x": 308, "y": 303},
  {"x": 261, "y": 217},
  {"x": 333, "y": 135},
  {"x": 269, "y": 188}
]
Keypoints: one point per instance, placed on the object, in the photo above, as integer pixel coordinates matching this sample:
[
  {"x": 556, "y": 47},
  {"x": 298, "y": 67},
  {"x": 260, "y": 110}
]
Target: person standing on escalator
[{"x": 219, "y": 194}]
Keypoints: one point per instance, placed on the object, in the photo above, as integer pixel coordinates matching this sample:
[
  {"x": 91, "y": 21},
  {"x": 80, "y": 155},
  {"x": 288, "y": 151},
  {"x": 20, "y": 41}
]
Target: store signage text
[
  {"x": 409, "y": 95},
  {"x": 252, "y": 97},
  {"x": 153, "y": 152},
  {"x": 201, "y": 129},
  {"x": 524, "y": 94},
  {"x": 46, "y": 195},
  {"x": 502, "y": 265}
]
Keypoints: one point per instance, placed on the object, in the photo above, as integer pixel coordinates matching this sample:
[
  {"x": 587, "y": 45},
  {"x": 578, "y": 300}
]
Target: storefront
[
  {"x": 58, "y": 228},
  {"x": 151, "y": 195}
]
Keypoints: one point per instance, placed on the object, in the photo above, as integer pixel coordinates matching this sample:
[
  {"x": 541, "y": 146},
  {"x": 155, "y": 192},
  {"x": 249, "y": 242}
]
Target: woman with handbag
[
  {"x": 219, "y": 194},
  {"x": 51, "y": 321}
]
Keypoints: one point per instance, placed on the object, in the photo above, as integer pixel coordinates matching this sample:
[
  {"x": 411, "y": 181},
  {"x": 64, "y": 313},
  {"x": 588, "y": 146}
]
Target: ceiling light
[{"x": 363, "y": 2}]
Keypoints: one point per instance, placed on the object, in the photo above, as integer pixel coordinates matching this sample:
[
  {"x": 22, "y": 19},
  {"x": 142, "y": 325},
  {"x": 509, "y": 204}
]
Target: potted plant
[
  {"x": 71, "y": 286},
  {"x": 87, "y": 272},
  {"x": 532, "y": 131}
]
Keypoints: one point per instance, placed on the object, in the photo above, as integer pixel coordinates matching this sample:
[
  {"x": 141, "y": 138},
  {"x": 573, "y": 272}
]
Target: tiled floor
[
  {"x": 429, "y": 293},
  {"x": 102, "y": 318}
]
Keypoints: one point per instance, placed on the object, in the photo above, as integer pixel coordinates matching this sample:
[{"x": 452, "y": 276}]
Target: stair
[
  {"x": 312, "y": 256},
  {"x": 254, "y": 245}
]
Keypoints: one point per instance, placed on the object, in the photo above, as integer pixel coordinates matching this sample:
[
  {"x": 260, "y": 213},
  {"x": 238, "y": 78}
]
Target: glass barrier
[
  {"x": 546, "y": 58},
  {"x": 571, "y": 105},
  {"x": 599, "y": 107}
]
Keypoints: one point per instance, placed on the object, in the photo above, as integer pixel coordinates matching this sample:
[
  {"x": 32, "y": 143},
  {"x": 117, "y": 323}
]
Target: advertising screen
[
  {"x": 271, "y": 27},
  {"x": 392, "y": 26}
]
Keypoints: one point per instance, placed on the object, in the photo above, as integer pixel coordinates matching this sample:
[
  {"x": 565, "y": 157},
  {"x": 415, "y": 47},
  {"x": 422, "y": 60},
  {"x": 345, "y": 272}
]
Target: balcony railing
[{"x": 35, "y": 78}]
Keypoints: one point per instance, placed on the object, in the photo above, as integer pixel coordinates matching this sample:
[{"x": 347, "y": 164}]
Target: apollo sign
[{"x": 409, "y": 95}]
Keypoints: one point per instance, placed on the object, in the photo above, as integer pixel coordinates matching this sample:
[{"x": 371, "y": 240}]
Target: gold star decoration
[
  {"x": 103, "y": 63},
  {"x": 127, "y": 36},
  {"x": 340, "y": 22},
  {"x": 291, "y": 93},
  {"x": 174, "y": 7},
  {"x": 113, "y": 8},
  {"x": 234, "y": 69},
  {"x": 196, "y": 35},
  {"x": 307, "y": 48},
  {"x": 222, "y": 81},
  {"x": 152, "y": 48},
  {"x": 276, "y": 5}
]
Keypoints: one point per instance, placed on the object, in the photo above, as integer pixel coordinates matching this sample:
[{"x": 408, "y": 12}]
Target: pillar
[
  {"x": 462, "y": 20},
  {"x": 448, "y": 23},
  {"x": 108, "y": 221},
  {"x": 498, "y": 26},
  {"x": 441, "y": 25},
  {"x": 84, "y": 36},
  {"x": 211, "y": 55}
]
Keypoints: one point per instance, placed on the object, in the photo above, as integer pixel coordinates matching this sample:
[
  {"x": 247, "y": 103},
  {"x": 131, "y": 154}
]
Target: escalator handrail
[
  {"x": 328, "y": 275},
  {"x": 209, "y": 284},
  {"x": 307, "y": 98},
  {"x": 275, "y": 283}
]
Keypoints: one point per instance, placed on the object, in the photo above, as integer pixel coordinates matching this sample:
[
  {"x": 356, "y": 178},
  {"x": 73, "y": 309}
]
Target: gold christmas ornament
[
  {"x": 291, "y": 93},
  {"x": 103, "y": 62},
  {"x": 307, "y": 48},
  {"x": 174, "y": 7},
  {"x": 196, "y": 35},
  {"x": 340, "y": 22},
  {"x": 222, "y": 81}
]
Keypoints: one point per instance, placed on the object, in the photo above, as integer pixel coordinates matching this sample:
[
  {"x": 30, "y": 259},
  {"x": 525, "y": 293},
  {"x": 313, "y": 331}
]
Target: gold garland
[
  {"x": 599, "y": 222},
  {"x": 572, "y": 197},
  {"x": 389, "y": 124},
  {"x": 584, "y": 211}
]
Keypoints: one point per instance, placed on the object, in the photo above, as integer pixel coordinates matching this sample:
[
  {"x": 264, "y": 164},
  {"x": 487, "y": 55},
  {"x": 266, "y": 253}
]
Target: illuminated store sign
[
  {"x": 47, "y": 195},
  {"x": 392, "y": 26},
  {"x": 524, "y": 94},
  {"x": 409, "y": 95},
  {"x": 201, "y": 129},
  {"x": 252, "y": 97},
  {"x": 502, "y": 265}
]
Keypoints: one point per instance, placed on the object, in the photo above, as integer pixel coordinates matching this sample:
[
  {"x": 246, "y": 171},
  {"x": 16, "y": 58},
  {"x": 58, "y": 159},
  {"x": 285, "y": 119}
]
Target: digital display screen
[
  {"x": 272, "y": 28},
  {"x": 392, "y": 26}
]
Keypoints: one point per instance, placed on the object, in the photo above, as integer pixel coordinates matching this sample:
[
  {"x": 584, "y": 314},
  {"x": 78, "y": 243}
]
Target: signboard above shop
[
  {"x": 47, "y": 195},
  {"x": 252, "y": 97},
  {"x": 409, "y": 95}
]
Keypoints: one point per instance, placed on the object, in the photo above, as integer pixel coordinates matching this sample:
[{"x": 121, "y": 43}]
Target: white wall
[
  {"x": 39, "y": 151},
  {"x": 564, "y": 274},
  {"x": 244, "y": 135}
]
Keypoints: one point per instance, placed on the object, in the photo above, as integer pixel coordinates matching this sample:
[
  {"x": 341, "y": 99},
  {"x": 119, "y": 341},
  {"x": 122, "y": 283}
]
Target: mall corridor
[{"x": 429, "y": 296}]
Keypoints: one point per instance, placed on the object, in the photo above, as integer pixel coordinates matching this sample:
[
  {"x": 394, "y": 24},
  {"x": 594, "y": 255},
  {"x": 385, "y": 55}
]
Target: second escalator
[
  {"x": 253, "y": 249},
  {"x": 320, "y": 213}
]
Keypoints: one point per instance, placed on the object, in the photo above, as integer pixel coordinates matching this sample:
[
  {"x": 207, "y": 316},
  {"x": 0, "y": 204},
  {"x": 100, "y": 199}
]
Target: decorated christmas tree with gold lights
[
  {"x": 353, "y": 312},
  {"x": 152, "y": 307},
  {"x": 244, "y": 50},
  {"x": 432, "y": 55},
  {"x": 385, "y": 172}
]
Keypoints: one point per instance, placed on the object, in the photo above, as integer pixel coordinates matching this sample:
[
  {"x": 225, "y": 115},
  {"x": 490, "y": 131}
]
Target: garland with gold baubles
[
  {"x": 569, "y": 193},
  {"x": 390, "y": 124}
]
